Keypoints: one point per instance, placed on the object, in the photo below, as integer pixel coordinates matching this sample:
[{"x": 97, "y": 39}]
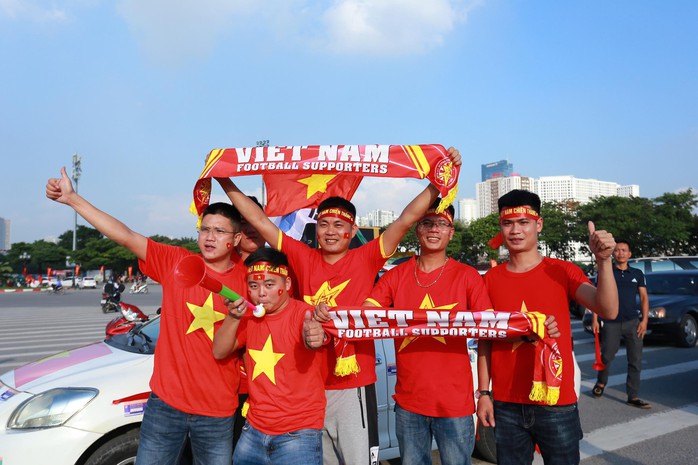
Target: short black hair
[
  {"x": 623, "y": 241},
  {"x": 519, "y": 198},
  {"x": 267, "y": 254},
  {"x": 254, "y": 199},
  {"x": 341, "y": 202},
  {"x": 449, "y": 209},
  {"x": 227, "y": 210}
]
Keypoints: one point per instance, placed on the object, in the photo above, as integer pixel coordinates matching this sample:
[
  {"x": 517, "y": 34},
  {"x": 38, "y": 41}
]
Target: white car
[
  {"x": 88, "y": 282},
  {"x": 85, "y": 406}
]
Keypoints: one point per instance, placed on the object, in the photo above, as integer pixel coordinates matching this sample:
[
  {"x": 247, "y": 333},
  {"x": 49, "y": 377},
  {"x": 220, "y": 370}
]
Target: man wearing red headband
[
  {"x": 336, "y": 275},
  {"x": 531, "y": 282},
  {"x": 433, "y": 393},
  {"x": 193, "y": 395},
  {"x": 286, "y": 388}
]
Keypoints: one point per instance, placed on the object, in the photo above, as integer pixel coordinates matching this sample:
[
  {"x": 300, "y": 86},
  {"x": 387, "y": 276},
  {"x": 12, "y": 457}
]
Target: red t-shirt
[
  {"x": 547, "y": 288},
  {"x": 285, "y": 381},
  {"x": 347, "y": 282},
  {"x": 185, "y": 375},
  {"x": 434, "y": 377}
]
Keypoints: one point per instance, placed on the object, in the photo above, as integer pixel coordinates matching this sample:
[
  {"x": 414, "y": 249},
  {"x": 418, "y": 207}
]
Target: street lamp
[
  {"x": 263, "y": 143},
  {"x": 77, "y": 171},
  {"x": 25, "y": 257}
]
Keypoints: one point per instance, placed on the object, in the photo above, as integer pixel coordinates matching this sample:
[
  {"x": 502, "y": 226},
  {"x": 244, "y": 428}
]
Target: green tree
[
  {"x": 557, "y": 238},
  {"x": 84, "y": 234},
  {"x": 475, "y": 237}
]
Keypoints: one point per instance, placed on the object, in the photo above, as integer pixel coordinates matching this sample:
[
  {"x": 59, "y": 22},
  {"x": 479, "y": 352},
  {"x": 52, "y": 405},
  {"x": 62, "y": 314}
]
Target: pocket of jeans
[
  {"x": 560, "y": 408},
  {"x": 303, "y": 433},
  {"x": 246, "y": 426}
]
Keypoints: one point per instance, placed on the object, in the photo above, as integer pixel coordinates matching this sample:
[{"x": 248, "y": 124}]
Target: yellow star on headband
[
  {"x": 427, "y": 303},
  {"x": 265, "y": 360},
  {"x": 204, "y": 316},
  {"x": 317, "y": 183},
  {"x": 326, "y": 293}
]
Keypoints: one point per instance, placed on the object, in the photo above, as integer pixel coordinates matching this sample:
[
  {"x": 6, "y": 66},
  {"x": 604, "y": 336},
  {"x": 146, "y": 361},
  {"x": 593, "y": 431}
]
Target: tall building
[
  {"x": 467, "y": 210},
  {"x": 4, "y": 235},
  {"x": 380, "y": 218},
  {"x": 497, "y": 169},
  {"x": 561, "y": 188},
  {"x": 488, "y": 192}
]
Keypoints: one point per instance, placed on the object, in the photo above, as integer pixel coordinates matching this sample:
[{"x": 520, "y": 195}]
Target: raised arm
[
  {"x": 251, "y": 212},
  {"x": 413, "y": 211},
  {"x": 224, "y": 340},
  {"x": 602, "y": 299},
  {"x": 61, "y": 190}
]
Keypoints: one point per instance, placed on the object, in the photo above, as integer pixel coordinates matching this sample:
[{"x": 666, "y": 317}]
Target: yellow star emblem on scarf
[
  {"x": 204, "y": 316},
  {"x": 317, "y": 183},
  {"x": 265, "y": 360},
  {"x": 427, "y": 303},
  {"x": 517, "y": 344},
  {"x": 326, "y": 293}
]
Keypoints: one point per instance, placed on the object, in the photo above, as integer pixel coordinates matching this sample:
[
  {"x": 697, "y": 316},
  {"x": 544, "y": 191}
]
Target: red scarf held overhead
[
  {"x": 365, "y": 323},
  {"x": 308, "y": 174}
]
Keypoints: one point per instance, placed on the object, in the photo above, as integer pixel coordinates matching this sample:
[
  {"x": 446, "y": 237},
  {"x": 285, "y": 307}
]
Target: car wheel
[
  {"x": 120, "y": 450},
  {"x": 688, "y": 332},
  {"x": 485, "y": 444}
]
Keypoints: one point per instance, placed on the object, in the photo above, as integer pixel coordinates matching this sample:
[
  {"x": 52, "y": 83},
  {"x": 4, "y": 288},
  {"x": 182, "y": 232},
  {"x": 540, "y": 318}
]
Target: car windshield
[
  {"x": 665, "y": 284},
  {"x": 141, "y": 339}
]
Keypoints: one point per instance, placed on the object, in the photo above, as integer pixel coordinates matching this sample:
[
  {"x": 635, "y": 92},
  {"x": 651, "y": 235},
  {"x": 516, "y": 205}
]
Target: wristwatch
[{"x": 479, "y": 394}]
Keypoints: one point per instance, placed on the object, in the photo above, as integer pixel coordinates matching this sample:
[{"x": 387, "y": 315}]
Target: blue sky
[{"x": 143, "y": 90}]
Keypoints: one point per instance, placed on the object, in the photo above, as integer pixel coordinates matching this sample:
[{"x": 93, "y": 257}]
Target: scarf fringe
[
  {"x": 346, "y": 366},
  {"x": 448, "y": 199},
  {"x": 541, "y": 392}
]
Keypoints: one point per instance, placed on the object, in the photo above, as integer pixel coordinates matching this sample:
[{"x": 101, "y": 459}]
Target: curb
[{"x": 22, "y": 290}]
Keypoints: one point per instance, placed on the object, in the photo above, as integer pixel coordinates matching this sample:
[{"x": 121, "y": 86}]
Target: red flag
[
  {"x": 48, "y": 273},
  {"x": 287, "y": 193}
]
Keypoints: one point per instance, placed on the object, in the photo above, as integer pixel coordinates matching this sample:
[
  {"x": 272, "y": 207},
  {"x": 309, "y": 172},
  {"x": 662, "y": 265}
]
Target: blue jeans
[
  {"x": 519, "y": 427},
  {"x": 455, "y": 438},
  {"x": 164, "y": 431},
  {"x": 302, "y": 447}
]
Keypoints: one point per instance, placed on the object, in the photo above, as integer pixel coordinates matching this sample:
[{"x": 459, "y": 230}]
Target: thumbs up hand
[
  {"x": 601, "y": 243},
  {"x": 313, "y": 334}
]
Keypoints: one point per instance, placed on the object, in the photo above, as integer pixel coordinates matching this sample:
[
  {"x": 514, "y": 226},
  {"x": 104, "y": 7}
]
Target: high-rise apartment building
[
  {"x": 488, "y": 192},
  {"x": 561, "y": 188},
  {"x": 4, "y": 235},
  {"x": 497, "y": 169},
  {"x": 380, "y": 218},
  {"x": 467, "y": 210}
]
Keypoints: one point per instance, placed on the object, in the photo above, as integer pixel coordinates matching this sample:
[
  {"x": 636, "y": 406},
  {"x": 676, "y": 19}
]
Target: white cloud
[
  {"x": 390, "y": 27},
  {"x": 172, "y": 32},
  {"x": 386, "y": 194},
  {"x": 31, "y": 10}
]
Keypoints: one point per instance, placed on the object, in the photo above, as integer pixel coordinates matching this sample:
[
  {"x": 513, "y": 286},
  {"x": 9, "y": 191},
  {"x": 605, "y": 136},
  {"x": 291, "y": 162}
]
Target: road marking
[
  {"x": 621, "y": 435},
  {"x": 667, "y": 370},
  {"x": 621, "y": 353}
]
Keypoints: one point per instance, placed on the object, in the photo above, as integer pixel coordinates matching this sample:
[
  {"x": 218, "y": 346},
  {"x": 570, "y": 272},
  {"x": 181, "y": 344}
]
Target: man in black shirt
[{"x": 627, "y": 326}]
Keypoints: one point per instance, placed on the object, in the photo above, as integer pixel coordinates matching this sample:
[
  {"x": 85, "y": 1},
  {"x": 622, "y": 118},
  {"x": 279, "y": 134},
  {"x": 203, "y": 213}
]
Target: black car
[{"x": 673, "y": 297}]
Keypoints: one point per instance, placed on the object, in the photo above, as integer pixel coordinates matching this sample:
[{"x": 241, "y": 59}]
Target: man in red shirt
[
  {"x": 532, "y": 282},
  {"x": 193, "y": 395},
  {"x": 433, "y": 393},
  {"x": 336, "y": 275},
  {"x": 286, "y": 388}
]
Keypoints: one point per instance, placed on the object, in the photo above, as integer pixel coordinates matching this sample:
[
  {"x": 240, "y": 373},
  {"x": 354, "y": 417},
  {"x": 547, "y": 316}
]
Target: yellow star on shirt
[
  {"x": 427, "y": 303},
  {"x": 326, "y": 293},
  {"x": 204, "y": 316},
  {"x": 517, "y": 344},
  {"x": 317, "y": 183},
  {"x": 265, "y": 360}
]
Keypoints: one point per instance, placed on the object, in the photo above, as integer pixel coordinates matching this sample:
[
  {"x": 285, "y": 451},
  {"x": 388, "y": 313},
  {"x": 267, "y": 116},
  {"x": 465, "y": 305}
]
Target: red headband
[
  {"x": 508, "y": 214},
  {"x": 444, "y": 214},
  {"x": 259, "y": 269},
  {"x": 336, "y": 212}
]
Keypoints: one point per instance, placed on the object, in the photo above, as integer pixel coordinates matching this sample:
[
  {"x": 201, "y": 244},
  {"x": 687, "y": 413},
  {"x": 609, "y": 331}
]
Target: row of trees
[{"x": 666, "y": 225}]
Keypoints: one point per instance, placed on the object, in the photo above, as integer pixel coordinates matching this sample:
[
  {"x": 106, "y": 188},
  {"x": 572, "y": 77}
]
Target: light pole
[
  {"x": 24, "y": 256},
  {"x": 263, "y": 143},
  {"x": 77, "y": 171}
]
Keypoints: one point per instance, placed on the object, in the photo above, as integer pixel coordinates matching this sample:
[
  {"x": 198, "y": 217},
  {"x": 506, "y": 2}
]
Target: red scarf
[
  {"x": 364, "y": 323},
  {"x": 391, "y": 161}
]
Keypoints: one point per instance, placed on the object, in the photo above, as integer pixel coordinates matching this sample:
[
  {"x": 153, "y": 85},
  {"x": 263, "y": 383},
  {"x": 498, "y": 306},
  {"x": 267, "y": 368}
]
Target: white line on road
[{"x": 647, "y": 374}]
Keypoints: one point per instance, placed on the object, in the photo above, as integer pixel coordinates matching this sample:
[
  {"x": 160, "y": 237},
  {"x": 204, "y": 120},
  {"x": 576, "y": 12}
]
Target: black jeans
[{"x": 611, "y": 334}]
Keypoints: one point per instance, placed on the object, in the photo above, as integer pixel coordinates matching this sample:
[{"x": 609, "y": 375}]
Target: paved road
[{"x": 34, "y": 325}]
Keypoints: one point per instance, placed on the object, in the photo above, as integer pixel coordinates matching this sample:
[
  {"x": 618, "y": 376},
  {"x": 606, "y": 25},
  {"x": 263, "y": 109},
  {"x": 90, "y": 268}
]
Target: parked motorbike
[
  {"x": 139, "y": 288},
  {"x": 130, "y": 317},
  {"x": 111, "y": 296}
]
